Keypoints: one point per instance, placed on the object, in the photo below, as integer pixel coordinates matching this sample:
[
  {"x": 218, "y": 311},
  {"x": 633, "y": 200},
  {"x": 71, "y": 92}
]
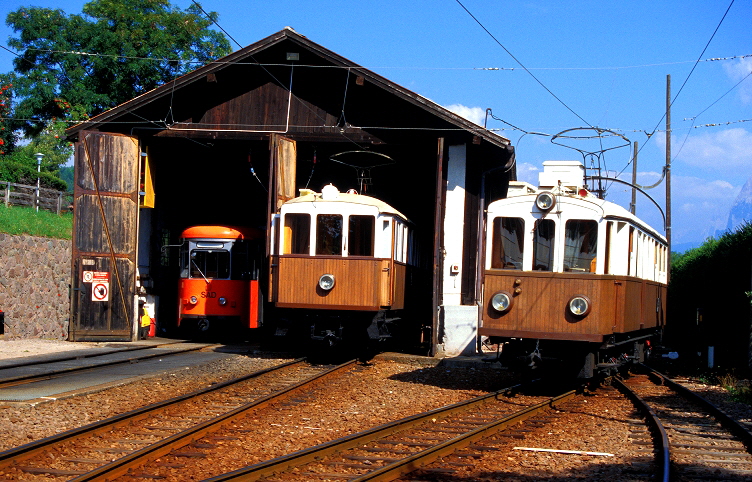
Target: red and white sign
[
  {"x": 96, "y": 276},
  {"x": 100, "y": 291}
]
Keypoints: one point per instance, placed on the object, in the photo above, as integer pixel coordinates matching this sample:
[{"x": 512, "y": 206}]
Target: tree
[
  {"x": 7, "y": 125},
  {"x": 114, "y": 51}
]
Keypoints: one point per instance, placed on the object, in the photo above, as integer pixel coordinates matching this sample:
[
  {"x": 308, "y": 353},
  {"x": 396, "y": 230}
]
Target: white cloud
[
  {"x": 527, "y": 172},
  {"x": 701, "y": 207},
  {"x": 738, "y": 71},
  {"x": 725, "y": 150},
  {"x": 473, "y": 114}
]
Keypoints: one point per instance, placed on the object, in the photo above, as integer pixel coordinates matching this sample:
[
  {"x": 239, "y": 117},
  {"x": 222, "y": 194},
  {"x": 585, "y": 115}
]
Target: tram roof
[
  {"x": 308, "y": 196},
  {"x": 221, "y": 232}
]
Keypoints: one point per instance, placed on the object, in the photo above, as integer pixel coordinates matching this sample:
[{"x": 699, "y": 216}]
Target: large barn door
[
  {"x": 104, "y": 238},
  {"x": 283, "y": 161}
]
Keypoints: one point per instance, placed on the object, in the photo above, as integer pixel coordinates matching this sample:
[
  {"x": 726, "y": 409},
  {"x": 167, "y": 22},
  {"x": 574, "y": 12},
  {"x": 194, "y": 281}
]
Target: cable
[
  {"x": 215, "y": 22},
  {"x": 706, "y": 108},
  {"x": 520, "y": 63},
  {"x": 273, "y": 64},
  {"x": 655, "y": 129}
]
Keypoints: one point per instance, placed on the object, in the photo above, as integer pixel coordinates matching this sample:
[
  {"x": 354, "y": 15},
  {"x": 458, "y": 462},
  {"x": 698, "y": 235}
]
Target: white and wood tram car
[
  {"x": 340, "y": 264},
  {"x": 570, "y": 276}
]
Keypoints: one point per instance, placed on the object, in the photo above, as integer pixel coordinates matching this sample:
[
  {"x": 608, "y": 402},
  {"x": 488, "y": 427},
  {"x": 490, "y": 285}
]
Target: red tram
[{"x": 219, "y": 278}]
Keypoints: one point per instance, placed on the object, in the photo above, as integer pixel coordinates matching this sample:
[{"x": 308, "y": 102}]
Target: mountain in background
[{"x": 741, "y": 210}]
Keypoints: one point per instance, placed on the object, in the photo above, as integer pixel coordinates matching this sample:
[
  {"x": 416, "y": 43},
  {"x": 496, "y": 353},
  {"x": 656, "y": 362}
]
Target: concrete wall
[
  {"x": 34, "y": 281},
  {"x": 459, "y": 324}
]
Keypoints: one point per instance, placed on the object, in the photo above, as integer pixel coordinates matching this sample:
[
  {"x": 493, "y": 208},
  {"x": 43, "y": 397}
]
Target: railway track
[
  {"x": 112, "y": 447},
  {"x": 397, "y": 448},
  {"x": 691, "y": 438},
  {"x": 26, "y": 372}
]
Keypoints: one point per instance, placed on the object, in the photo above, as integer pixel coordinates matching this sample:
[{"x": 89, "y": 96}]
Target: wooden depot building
[{"x": 230, "y": 141}]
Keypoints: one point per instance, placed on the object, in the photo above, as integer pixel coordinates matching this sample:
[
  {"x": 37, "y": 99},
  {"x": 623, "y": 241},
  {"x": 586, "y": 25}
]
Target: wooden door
[{"x": 105, "y": 227}]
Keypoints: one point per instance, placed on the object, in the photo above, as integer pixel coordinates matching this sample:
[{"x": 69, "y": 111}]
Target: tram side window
[
  {"x": 543, "y": 245},
  {"x": 360, "y": 235},
  {"x": 508, "y": 243},
  {"x": 329, "y": 234},
  {"x": 213, "y": 264},
  {"x": 184, "y": 261},
  {"x": 243, "y": 260},
  {"x": 581, "y": 241},
  {"x": 297, "y": 233}
]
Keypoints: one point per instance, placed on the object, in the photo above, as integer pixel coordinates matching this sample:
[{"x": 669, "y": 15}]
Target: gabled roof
[{"x": 288, "y": 34}]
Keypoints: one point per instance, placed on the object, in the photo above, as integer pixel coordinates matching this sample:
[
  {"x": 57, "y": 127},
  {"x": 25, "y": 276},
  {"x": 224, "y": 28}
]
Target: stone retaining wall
[{"x": 34, "y": 282}]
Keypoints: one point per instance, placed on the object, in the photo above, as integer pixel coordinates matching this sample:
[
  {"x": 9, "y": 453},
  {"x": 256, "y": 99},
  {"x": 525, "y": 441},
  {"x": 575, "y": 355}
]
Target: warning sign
[
  {"x": 96, "y": 276},
  {"x": 100, "y": 291}
]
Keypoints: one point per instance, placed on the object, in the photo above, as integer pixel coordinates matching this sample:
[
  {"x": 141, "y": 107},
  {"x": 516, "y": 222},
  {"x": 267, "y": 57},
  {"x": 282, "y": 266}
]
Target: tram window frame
[
  {"x": 578, "y": 235},
  {"x": 297, "y": 233},
  {"x": 542, "y": 227},
  {"x": 329, "y": 234},
  {"x": 200, "y": 260},
  {"x": 361, "y": 232},
  {"x": 505, "y": 240}
]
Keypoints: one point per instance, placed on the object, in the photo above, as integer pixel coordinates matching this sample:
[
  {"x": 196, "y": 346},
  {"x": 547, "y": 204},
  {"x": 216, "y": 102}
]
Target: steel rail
[
  {"x": 729, "y": 423},
  {"x": 302, "y": 457},
  {"x": 24, "y": 452},
  {"x": 31, "y": 378},
  {"x": 660, "y": 437},
  {"x": 139, "y": 457},
  {"x": 73, "y": 355}
]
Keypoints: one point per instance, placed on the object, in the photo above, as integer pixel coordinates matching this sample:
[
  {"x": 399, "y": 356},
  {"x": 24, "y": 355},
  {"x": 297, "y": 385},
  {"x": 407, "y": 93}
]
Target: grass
[
  {"x": 739, "y": 392},
  {"x": 25, "y": 220}
]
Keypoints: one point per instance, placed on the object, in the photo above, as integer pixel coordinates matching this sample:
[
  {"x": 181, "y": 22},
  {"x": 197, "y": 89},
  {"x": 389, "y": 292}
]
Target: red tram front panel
[
  {"x": 619, "y": 304},
  {"x": 225, "y": 298},
  {"x": 361, "y": 283}
]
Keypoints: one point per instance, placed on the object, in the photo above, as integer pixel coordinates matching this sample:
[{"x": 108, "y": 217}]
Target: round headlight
[
  {"x": 501, "y": 301},
  {"x": 223, "y": 301},
  {"x": 326, "y": 282},
  {"x": 579, "y": 305},
  {"x": 194, "y": 300},
  {"x": 545, "y": 201}
]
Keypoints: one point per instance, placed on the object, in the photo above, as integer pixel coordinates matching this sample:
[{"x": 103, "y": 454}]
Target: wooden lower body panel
[
  {"x": 360, "y": 283},
  {"x": 620, "y": 304}
]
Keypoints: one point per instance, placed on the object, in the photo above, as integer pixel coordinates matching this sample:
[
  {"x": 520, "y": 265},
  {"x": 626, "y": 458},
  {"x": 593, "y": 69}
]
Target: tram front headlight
[
  {"x": 501, "y": 301},
  {"x": 326, "y": 282},
  {"x": 194, "y": 300},
  {"x": 545, "y": 201},
  {"x": 579, "y": 305},
  {"x": 223, "y": 301}
]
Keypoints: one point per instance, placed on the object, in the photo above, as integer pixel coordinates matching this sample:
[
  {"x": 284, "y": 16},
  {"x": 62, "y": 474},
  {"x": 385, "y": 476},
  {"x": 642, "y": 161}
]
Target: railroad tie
[{"x": 50, "y": 471}]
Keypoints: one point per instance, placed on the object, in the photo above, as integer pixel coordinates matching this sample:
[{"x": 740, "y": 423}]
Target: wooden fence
[{"x": 24, "y": 195}]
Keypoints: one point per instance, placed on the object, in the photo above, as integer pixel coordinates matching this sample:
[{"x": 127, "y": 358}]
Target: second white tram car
[{"x": 571, "y": 276}]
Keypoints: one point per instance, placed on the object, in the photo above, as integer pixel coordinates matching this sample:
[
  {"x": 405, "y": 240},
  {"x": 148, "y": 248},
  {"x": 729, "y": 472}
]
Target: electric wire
[
  {"x": 388, "y": 67},
  {"x": 655, "y": 129},
  {"x": 705, "y": 109},
  {"x": 216, "y": 23},
  {"x": 521, "y": 65}
]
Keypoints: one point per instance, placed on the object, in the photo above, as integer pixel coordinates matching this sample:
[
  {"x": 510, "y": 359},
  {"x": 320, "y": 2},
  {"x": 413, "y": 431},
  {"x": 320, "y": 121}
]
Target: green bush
[
  {"x": 708, "y": 301},
  {"x": 23, "y": 174}
]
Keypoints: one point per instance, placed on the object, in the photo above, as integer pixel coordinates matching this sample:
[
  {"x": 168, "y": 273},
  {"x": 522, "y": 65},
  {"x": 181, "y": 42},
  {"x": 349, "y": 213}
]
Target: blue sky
[{"x": 596, "y": 63}]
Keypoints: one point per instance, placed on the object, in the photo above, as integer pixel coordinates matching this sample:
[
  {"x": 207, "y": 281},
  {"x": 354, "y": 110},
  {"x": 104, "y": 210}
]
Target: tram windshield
[
  {"x": 329, "y": 234},
  {"x": 360, "y": 235},
  {"x": 508, "y": 243},
  {"x": 581, "y": 240},
  {"x": 543, "y": 245},
  {"x": 213, "y": 264}
]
